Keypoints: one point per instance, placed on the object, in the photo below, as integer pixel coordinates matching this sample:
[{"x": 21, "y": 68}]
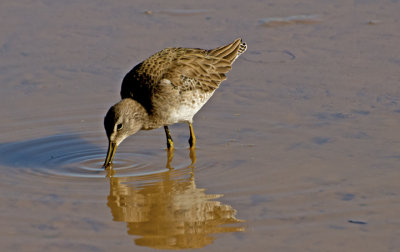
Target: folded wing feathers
[
  {"x": 231, "y": 51},
  {"x": 208, "y": 68}
]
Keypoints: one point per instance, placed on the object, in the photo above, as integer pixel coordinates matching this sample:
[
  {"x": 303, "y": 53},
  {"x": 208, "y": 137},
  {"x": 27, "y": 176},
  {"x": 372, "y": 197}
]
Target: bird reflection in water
[{"x": 168, "y": 211}]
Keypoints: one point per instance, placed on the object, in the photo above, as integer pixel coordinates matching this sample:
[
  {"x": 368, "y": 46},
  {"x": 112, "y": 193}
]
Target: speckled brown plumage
[
  {"x": 186, "y": 68},
  {"x": 169, "y": 87}
]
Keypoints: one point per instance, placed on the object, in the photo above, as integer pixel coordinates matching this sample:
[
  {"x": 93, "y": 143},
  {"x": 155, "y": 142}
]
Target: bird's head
[{"x": 122, "y": 120}]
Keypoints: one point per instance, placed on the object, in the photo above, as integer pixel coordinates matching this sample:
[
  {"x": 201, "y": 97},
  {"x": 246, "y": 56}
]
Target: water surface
[{"x": 297, "y": 151}]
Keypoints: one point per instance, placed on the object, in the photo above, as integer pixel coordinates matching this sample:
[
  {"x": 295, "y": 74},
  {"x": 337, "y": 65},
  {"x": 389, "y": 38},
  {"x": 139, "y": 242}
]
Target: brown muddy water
[{"x": 299, "y": 150}]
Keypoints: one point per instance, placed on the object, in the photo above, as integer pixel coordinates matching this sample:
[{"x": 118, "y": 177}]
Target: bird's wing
[
  {"x": 203, "y": 69},
  {"x": 196, "y": 69}
]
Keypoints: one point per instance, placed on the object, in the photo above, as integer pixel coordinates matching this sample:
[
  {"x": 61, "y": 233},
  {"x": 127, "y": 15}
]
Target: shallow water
[{"x": 297, "y": 151}]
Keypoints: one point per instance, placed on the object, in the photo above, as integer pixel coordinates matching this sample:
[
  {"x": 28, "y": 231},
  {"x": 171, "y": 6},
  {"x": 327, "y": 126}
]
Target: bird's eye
[{"x": 119, "y": 126}]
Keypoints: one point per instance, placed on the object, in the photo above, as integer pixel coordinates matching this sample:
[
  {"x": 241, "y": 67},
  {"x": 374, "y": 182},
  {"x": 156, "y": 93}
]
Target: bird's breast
[{"x": 189, "y": 104}]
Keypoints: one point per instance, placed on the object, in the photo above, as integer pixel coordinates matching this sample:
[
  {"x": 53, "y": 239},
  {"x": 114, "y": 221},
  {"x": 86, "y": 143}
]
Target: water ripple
[{"x": 71, "y": 155}]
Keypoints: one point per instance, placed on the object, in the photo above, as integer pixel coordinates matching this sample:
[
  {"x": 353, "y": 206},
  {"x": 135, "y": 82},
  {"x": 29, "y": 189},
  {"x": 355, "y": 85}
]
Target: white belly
[{"x": 190, "y": 104}]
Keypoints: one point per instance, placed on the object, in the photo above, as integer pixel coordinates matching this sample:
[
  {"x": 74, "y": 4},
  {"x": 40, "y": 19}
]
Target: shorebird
[{"x": 169, "y": 87}]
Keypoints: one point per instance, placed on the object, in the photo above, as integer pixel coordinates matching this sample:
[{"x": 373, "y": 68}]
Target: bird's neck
[{"x": 150, "y": 121}]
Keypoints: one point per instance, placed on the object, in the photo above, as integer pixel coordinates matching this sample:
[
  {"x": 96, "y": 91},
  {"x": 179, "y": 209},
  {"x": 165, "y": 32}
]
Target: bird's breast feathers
[{"x": 190, "y": 103}]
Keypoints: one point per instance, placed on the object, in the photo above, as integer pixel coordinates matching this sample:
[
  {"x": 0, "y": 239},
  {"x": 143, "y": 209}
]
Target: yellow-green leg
[
  {"x": 170, "y": 143},
  {"x": 192, "y": 138},
  {"x": 192, "y": 156},
  {"x": 170, "y": 156}
]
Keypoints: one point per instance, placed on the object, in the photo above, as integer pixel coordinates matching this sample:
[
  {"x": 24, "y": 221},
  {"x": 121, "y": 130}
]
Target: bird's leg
[
  {"x": 170, "y": 143},
  {"x": 192, "y": 156},
  {"x": 192, "y": 138},
  {"x": 170, "y": 156}
]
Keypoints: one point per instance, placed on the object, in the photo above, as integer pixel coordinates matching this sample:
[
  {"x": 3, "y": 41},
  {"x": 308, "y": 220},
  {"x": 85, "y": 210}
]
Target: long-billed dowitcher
[{"x": 167, "y": 88}]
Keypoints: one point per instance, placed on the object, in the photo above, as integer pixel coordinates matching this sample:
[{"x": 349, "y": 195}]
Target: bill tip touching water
[{"x": 169, "y": 87}]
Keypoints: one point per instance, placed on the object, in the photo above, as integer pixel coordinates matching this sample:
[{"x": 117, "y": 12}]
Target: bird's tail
[{"x": 231, "y": 51}]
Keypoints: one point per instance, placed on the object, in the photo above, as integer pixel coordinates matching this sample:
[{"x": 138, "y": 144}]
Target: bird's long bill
[{"x": 112, "y": 147}]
